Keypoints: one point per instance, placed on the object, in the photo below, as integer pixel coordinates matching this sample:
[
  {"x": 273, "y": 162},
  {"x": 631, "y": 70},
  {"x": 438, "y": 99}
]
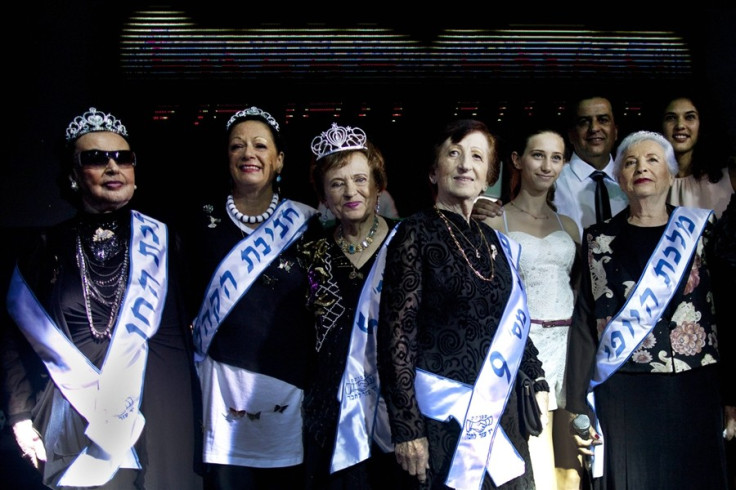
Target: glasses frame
[{"x": 86, "y": 158}]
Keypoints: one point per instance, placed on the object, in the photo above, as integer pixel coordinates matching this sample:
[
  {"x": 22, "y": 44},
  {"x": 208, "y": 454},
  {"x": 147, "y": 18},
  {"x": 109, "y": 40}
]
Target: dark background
[{"x": 65, "y": 58}]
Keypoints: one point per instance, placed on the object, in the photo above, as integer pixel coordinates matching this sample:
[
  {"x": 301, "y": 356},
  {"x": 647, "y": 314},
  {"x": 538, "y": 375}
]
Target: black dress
[
  {"x": 170, "y": 398},
  {"x": 437, "y": 315},
  {"x": 335, "y": 287}
]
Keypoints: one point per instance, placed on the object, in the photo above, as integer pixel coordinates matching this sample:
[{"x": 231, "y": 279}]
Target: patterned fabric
[
  {"x": 685, "y": 338},
  {"x": 436, "y": 314},
  {"x": 545, "y": 269}
]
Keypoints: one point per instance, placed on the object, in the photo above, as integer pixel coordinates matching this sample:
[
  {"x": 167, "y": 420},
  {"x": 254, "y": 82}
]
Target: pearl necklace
[
  {"x": 249, "y": 220},
  {"x": 491, "y": 255},
  {"x": 351, "y": 249}
]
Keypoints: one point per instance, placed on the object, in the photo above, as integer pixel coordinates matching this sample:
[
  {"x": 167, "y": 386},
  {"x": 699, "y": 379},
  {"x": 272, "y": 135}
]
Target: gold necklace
[
  {"x": 491, "y": 255},
  {"x": 351, "y": 249},
  {"x": 527, "y": 212}
]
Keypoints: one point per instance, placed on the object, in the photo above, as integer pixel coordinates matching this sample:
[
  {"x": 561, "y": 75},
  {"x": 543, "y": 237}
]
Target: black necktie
[{"x": 602, "y": 202}]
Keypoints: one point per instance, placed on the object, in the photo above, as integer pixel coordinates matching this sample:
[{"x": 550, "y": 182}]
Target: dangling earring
[
  {"x": 278, "y": 184},
  {"x": 74, "y": 185},
  {"x": 378, "y": 203}
]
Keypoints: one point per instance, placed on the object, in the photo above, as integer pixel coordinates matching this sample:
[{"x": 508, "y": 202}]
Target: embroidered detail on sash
[
  {"x": 647, "y": 302},
  {"x": 109, "y": 398},
  {"x": 243, "y": 265},
  {"x": 363, "y": 414},
  {"x": 483, "y": 445}
]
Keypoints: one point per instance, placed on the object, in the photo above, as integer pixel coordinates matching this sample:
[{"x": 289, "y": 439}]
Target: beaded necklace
[
  {"x": 249, "y": 220},
  {"x": 491, "y": 255},
  {"x": 351, "y": 249},
  {"x": 93, "y": 285}
]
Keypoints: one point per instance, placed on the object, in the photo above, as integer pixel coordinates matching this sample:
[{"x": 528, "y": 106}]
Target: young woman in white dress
[{"x": 549, "y": 244}]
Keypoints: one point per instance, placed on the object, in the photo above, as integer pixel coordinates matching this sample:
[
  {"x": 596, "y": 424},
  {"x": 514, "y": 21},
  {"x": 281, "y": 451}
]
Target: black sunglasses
[{"x": 100, "y": 159}]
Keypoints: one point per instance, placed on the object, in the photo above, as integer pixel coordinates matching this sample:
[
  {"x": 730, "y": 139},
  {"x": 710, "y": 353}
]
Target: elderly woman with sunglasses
[{"x": 99, "y": 376}]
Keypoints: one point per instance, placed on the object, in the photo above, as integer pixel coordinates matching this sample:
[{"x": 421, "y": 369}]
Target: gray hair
[{"x": 639, "y": 136}]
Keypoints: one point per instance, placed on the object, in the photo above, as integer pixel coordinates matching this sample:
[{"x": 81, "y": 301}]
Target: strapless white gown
[{"x": 545, "y": 265}]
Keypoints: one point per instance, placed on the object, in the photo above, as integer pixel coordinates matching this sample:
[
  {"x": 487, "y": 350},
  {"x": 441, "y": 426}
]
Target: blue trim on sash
[
  {"x": 243, "y": 265},
  {"x": 363, "y": 414},
  {"x": 483, "y": 445},
  {"x": 109, "y": 398},
  {"x": 664, "y": 272}
]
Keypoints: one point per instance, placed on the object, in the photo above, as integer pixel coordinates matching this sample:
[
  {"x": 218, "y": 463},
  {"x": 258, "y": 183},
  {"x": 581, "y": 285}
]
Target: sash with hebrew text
[
  {"x": 243, "y": 265},
  {"x": 483, "y": 445},
  {"x": 363, "y": 415},
  {"x": 648, "y": 300},
  {"x": 109, "y": 398}
]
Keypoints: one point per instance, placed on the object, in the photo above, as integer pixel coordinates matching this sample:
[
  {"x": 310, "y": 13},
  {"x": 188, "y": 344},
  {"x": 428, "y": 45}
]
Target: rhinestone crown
[
  {"x": 94, "y": 120},
  {"x": 253, "y": 111},
  {"x": 338, "y": 138}
]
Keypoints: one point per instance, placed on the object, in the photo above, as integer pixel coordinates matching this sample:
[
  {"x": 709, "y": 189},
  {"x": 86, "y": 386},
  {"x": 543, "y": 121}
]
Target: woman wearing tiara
[
  {"x": 549, "y": 244},
  {"x": 98, "y": 375},
  {"x": 252, "y": 330},
  {"x": 348, "y": 175},
  {"x": 453, "y": 331}
]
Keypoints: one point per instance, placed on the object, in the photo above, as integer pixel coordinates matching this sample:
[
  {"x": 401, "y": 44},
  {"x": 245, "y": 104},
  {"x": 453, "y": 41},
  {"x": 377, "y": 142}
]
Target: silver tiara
[
  {"x": 94, "y": 120},
  {"x": 338, "y": 138},
  {"x": 253, "y": 111}
]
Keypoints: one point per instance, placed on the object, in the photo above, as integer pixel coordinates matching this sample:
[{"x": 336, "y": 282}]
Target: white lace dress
[{"x": 545, "y": 266}]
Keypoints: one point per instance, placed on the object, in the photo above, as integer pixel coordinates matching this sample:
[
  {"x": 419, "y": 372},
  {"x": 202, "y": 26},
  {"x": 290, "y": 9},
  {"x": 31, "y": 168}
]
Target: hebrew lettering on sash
[
  {"x": 367, "y": 328},
  {"x": 226, "y": 277},
  {"x": 518, "y": 326},
  {"x": 686, "y": 224},
  {"x": 289, "y": 211},
  {"x": 143, "y": 281},
  {"x": 244, "y": 256},
  {"x": 659, "y": 270},
  {"x": 499, "y": 365},
  {"x": 645, "y": 297},
  {"x": 616, "y": 345},
  {"x": 266, "y": 249},
  {"x": 138, "y": 305},
  {"x": 277, "y": 224},
  {"x": 151, "y": 250},
  {"x": 146, "y": 230},
  {"x": 676, "y": 235}
]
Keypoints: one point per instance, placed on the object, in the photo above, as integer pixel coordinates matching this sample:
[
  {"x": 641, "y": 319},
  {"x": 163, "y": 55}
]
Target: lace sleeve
[{"x": 401, "y": 298}]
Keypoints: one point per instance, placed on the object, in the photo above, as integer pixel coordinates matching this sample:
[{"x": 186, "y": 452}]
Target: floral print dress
[{"x": 660, "y": 413}]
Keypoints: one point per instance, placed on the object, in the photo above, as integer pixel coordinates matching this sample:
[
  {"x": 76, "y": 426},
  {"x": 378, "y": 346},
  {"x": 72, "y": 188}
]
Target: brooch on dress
[
  {"x": 102, "y": 235},
  {"x": 208, "y": 208}
]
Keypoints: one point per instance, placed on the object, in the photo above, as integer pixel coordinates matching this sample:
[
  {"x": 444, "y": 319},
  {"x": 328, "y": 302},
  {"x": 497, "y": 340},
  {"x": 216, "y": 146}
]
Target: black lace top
[{"x": 438, "y": 315}]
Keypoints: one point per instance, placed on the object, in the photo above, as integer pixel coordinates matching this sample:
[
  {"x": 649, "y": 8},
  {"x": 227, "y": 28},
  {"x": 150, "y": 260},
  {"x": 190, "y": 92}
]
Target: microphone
[{"x": 581, "y": 426}]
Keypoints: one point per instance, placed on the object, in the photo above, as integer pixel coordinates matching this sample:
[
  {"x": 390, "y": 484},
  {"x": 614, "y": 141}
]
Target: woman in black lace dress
[{"x": 453, "y": 331}]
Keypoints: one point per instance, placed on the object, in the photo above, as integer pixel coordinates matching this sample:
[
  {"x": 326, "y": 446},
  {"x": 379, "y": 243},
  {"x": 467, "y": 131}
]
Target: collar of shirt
[{"x": 582, "y": 169}]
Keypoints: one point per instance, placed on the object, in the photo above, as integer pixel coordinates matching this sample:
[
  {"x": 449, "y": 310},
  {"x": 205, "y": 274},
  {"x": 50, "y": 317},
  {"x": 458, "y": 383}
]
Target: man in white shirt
[{"x": 593, "y": 133}]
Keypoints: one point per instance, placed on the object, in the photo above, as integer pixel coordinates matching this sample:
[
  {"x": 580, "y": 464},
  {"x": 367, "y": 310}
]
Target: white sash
[
  {"x": 363, "y": 414},
  {"x": 483, "y": 445},
  {"x": 243, "y": 265},
  {"x": 109, "y": 399},
  {"x": 661, "y": 277}
]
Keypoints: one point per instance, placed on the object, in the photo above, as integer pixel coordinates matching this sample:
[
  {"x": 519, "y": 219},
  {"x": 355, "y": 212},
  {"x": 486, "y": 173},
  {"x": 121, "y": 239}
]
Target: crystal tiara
[
  {"x": 253, "y": 111},
  {"x": 338, "y": 138},
  {"x": 94, "y": 120}
]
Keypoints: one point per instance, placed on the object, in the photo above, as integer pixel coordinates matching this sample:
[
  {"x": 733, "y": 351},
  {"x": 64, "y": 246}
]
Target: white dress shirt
[{"x": 575, "y": 192}]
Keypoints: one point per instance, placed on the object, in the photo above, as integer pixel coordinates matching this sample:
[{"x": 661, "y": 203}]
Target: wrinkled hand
[
  {"x": 413, "y": 456},
  {"x": 729, "y": 413},
  {"x": 485, "y": 207},
  {"x": 543, "y": 402},
  {"x": 29, "y": 441}
]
